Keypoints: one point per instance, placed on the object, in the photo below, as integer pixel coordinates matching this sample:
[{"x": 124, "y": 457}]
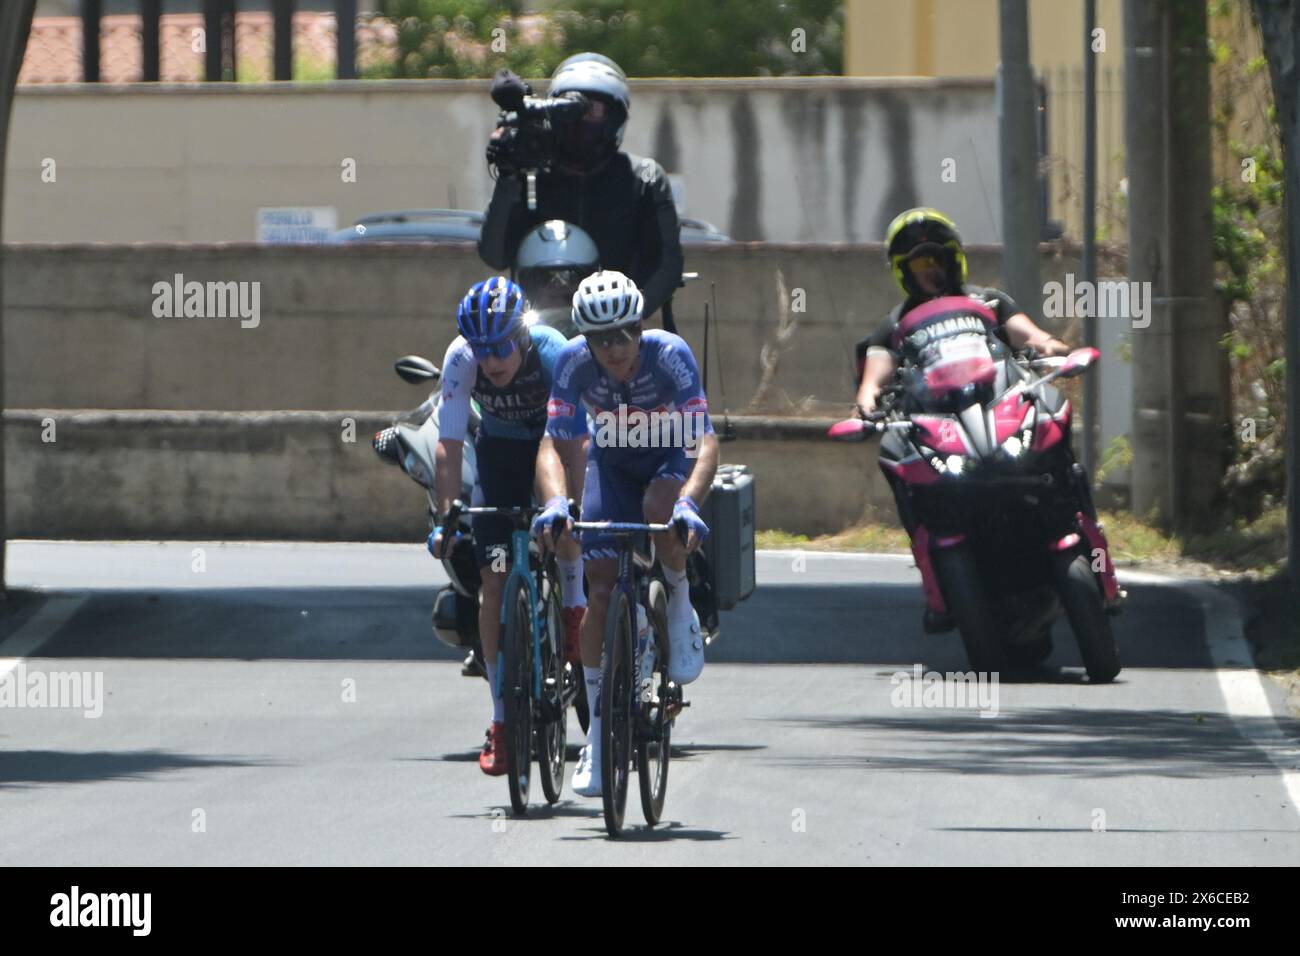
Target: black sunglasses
[{"x": 605, "y": 340}]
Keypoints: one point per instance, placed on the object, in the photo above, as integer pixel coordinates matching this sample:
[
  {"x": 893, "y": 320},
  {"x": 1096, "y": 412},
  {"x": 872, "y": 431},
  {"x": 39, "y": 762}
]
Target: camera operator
[{"x": 571, "y": 140}]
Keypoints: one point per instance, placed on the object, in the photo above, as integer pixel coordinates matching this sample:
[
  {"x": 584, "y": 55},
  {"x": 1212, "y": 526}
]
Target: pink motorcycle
[{"x": 976, "y": 445}]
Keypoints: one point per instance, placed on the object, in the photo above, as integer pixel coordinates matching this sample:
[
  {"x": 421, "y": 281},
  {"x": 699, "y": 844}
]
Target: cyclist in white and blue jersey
[
  {"x": 504, "y": 363},
  {"x": 614, "y": 385}
]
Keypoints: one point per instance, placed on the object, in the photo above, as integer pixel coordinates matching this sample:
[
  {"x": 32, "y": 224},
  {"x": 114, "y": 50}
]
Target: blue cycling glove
[
  {"x": 436, "y": 541},
  {"x": 687, "y": 512},
  {"x": 555, "y": 512}
]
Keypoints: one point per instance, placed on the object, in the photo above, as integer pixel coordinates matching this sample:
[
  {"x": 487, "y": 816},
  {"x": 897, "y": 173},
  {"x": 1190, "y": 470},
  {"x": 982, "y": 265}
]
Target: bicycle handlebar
[{"x": 621, "y": 527}]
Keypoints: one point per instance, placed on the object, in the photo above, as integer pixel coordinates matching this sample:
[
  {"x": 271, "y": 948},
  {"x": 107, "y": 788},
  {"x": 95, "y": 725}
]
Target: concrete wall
[
  {"x": 80, "y": 330},
  {"x": 822, "y": 159},
  {"x": 293, "y": 475}
]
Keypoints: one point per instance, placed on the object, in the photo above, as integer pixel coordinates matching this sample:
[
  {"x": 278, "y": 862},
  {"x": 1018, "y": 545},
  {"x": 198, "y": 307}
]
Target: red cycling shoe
[{"x": 492, "y": 761}]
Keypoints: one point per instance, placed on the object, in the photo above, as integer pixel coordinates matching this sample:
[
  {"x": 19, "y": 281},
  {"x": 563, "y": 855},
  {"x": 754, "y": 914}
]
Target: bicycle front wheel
[
  {"x": 653, "y": 729},
  {"x": 516, "y": 682},
  {"x": 554, "y": 715},
  {"x": 616, "y": 711}
]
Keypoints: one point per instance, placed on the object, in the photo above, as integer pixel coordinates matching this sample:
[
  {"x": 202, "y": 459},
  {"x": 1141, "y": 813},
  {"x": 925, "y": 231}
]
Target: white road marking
[
  {"x": 43, "y": 625},
  {"x": 834, "y": 555}
]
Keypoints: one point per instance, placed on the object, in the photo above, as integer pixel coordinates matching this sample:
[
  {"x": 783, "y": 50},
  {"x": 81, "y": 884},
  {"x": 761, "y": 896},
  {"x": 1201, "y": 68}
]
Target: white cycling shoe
[
  {"x": 686, "y": 640},
  {"x": 586, "y": 779}
]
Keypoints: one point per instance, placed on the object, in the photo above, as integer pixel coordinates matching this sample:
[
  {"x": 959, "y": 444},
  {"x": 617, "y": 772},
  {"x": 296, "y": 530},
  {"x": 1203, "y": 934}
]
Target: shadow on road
[
  {"x": 34, "y": 767},
  {"x": 663, "y": 833},
  {"x": 590, "y": 809},
  {"x": 1109, "y": 829},
  {"x": 539, "y": 809},
  {"x": 687, "y": 751},
  {"x": 571, "y": 753},
  {"x": 854, "y": 623},
  {"x": 1066, "y": 741}
]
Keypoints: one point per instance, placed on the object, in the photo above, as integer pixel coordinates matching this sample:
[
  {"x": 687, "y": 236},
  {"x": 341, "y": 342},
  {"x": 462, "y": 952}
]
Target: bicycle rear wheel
[
  {"x": 516, "y": 679},
  {"x": 616, "y": 711},
  {"x": 654, "y": 730},
  {"x": 552, "y": 730}
]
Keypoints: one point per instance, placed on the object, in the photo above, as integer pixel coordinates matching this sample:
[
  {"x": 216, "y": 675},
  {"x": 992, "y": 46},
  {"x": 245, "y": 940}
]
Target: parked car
[
  {"x": 415, "y": 225},
  {"x": 697, "y": 232}
]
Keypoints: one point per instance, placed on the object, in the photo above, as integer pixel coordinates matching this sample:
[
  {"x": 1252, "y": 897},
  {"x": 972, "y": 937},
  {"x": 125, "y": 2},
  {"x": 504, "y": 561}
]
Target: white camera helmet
[{"x": 606, "y": 300}]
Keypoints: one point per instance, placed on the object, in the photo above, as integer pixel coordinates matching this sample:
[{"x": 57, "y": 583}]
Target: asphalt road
[{"x": 227, "y": 736}]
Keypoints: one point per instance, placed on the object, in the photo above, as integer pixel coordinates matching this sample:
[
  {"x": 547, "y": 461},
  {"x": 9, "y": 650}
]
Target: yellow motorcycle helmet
[{"x": 920, "y": 227}]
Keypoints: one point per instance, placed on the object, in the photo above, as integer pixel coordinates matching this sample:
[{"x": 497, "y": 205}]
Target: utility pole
[
  {"x": 1091, "y": 383},
  {"x": 15, "y": 24},
  {"x": 1179, "y": 387},
  {"x": 1144, "y": 140},
  {"x": 1021, "y": 228}
]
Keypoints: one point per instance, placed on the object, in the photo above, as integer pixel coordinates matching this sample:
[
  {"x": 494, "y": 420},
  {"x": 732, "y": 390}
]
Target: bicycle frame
[
  {"x": 520, "y": 539},
  {"x": 633, "y": 572},
  {"x": 628, "y": 581},
  {"x": 635, "y": 730}
]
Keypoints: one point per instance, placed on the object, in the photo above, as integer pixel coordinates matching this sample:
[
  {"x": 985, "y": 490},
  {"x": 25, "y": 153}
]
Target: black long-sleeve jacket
[{"x": 626, "y": 206}]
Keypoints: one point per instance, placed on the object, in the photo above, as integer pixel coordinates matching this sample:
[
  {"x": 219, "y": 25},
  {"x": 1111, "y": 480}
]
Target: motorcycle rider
[
  {"x": 623, "y": 201},
  {"x": 926, "y": 257},
  {"x": 615, "y": 367},
  {"x": 925, "y": 254},
  {"x": 505, "y": 364},
  {"x": 552, "y": 260}
]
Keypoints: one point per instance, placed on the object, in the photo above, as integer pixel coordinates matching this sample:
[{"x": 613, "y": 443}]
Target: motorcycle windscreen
[{"x": 959, "y": 360}]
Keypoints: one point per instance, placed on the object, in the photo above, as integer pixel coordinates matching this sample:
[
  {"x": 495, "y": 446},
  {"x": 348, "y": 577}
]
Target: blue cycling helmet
[{"x": 490, "y": 317}]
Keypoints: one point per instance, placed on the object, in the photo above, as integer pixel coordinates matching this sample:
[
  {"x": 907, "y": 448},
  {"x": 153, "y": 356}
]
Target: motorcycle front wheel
[
  {"x": 963, "y": 592},
  {"x": 1082, "y": 600}
]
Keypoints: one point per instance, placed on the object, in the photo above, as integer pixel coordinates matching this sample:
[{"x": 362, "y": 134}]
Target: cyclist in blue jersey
[
  {"x": 651, "y": 457},
  {"x": 505, "y": 363}
]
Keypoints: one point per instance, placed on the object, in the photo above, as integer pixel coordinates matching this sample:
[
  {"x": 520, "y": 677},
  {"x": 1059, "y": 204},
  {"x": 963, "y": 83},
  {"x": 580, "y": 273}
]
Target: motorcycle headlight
[
  {"x": 1019, "y": 443},
  {"x": 954, "y": 464}
]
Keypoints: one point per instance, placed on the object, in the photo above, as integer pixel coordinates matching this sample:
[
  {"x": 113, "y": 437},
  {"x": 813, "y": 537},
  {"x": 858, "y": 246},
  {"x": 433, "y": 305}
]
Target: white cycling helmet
[{"x": 606, "y": 300}]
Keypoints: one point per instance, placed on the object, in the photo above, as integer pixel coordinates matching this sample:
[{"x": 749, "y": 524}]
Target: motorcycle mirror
[
  {"x": 416, "y": 370},
  {"x": 851, "y": 429},
  {"x": 1078, "y": 361}
]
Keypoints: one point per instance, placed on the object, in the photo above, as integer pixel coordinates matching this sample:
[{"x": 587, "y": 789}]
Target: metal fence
[
  {"x": 1064, "y": 150},
  {"x": 54, "y": 47}
]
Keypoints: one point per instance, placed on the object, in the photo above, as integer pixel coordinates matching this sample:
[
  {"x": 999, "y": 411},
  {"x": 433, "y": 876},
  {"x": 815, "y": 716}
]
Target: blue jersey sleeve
[
  {"x": 549, "y": 344},
  {"x": 565, "y": 417},
  {"x": 676, "y": 359}
]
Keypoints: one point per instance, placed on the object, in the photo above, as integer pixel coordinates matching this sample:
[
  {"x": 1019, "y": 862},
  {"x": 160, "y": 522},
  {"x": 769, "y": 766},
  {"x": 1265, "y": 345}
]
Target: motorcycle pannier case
[{"x": 729, "y": 548}]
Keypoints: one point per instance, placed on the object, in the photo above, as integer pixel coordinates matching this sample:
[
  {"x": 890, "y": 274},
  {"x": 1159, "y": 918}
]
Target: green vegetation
[
  {"x": 475, "y": 38},
  {"x": 1249, "y": 251}
]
